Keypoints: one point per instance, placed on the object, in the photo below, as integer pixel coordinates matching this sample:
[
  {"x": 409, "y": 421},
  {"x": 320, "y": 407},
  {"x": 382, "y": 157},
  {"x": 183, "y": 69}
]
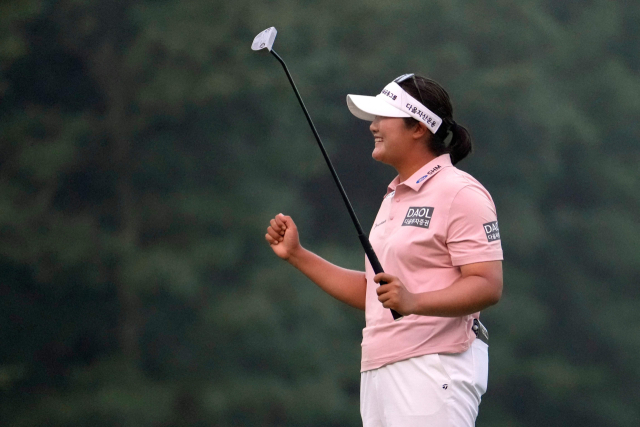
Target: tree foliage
[{"x": 144, "y": 147}]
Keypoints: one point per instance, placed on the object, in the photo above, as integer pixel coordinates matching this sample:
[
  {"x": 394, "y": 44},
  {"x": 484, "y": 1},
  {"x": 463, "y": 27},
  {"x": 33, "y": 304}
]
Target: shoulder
[
  {"x": 466, "y": 196},
  {"x": 461, "y": 185}
]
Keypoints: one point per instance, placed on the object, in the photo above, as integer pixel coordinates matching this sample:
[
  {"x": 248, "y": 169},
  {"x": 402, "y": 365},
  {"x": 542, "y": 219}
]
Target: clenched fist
[{"x": 282, "y": 235}]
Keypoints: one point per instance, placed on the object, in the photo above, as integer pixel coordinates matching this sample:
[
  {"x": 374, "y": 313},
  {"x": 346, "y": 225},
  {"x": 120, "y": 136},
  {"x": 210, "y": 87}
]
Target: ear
[{"x": 420, "y": 130}]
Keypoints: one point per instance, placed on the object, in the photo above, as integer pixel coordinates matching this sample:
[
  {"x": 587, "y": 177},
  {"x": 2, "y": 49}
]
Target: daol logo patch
[
  {"x": 492, "y": 231},
  {"x": 418, "y": 217}
]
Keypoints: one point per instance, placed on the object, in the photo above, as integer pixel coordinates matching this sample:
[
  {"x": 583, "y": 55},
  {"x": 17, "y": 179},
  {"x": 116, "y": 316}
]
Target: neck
[{"x": 412, "y": 165}]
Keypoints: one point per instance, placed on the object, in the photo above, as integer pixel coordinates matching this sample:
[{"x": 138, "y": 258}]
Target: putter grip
[{"x": 375, "y": 263}]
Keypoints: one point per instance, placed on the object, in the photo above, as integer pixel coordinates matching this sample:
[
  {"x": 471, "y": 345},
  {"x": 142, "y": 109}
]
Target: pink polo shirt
[{"x": 428, "y": 226}]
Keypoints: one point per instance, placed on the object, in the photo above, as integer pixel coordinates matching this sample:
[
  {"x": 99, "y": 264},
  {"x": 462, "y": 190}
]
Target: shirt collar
[{"x": 422, "y": 175}]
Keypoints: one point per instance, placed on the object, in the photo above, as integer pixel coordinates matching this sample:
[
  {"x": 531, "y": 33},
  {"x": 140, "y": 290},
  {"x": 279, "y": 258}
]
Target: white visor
[{"x": 393, "y": 101}]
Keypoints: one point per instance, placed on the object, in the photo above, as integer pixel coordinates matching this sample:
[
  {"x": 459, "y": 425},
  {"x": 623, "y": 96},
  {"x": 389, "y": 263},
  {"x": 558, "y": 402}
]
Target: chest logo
[
  {"x": 379, "y": 224},
  {"x": 492, "y": 231},
  {"x": 418, "y": 217}
]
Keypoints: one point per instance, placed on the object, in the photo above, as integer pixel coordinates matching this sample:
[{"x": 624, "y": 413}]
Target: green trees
[{"x": 144, "y": 146}]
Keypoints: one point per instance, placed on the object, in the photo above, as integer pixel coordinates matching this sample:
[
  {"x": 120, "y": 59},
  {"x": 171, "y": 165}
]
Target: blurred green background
[{"x": 144, "y": 148}]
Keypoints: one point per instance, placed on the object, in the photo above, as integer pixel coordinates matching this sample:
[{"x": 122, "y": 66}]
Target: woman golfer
[{"x": 437, "y": 238}]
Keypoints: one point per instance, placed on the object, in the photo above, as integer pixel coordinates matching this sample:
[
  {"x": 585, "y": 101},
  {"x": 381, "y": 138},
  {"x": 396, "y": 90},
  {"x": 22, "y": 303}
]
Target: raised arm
[{"x": 348, "y": 286}]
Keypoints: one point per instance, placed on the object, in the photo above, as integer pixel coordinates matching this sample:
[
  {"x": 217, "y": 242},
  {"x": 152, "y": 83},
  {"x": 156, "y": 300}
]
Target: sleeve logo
[
  {"x": 492, "y": 231},
  {"x": 418, "y": 217}
]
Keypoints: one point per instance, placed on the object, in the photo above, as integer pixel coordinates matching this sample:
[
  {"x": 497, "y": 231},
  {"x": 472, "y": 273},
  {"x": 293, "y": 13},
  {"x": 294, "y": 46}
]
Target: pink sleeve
[{"x": 472, "y": 233}]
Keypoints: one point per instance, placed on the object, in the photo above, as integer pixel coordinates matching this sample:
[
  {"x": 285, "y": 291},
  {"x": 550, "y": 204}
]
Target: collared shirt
[{"x": 427, "y": 227}]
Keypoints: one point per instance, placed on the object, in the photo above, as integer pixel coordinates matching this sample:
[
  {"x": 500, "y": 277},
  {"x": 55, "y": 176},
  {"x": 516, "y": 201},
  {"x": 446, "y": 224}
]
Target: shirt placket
[{"x": 394, "y": 212}]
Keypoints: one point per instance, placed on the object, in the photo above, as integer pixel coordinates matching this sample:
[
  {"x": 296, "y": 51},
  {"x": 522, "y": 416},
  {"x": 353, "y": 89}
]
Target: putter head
[{"x": 265, "y": 39}]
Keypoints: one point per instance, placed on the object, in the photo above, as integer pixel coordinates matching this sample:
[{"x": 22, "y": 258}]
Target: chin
[
  {"x": 381, "y": 159},
  {"x": 376, "y": 155}
]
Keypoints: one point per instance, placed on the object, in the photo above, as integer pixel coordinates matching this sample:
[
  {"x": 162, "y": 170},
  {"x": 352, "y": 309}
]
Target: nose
[{"x": 374, "y": 126}]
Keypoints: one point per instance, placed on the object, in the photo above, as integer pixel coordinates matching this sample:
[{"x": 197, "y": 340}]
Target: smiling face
[
  {"x": 393, "y": 140},
  {"x": 406, "y": 148}
]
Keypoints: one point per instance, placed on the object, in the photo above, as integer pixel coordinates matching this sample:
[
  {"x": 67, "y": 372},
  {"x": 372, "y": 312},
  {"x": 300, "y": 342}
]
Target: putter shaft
[{"x": 364, "y": 240}]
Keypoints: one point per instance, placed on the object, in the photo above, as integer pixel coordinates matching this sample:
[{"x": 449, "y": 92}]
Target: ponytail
[{"x": 460, "y": 145}]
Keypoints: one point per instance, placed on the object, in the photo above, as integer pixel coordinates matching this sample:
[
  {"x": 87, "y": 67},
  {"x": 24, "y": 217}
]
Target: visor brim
[{"x": 368, "y": 107}]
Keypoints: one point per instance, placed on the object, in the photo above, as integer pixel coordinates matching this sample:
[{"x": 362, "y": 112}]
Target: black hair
[{"x": 435, "y": 98}]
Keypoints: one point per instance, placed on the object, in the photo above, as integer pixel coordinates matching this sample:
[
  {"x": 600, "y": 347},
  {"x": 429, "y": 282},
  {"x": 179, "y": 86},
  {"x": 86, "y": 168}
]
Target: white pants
[{"x": 435, "y": 390}]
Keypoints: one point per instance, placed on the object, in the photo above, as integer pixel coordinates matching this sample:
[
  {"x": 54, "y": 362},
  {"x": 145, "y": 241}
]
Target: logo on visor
[
  {"x": 418, "y": 217},
  {"x": 425, "y": 117},
  {"x": 492, "y": 231},
  {"x": 389, "y": 94}
]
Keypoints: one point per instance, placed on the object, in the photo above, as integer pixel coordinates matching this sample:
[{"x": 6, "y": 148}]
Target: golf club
[{"x": 265, "y": 40}]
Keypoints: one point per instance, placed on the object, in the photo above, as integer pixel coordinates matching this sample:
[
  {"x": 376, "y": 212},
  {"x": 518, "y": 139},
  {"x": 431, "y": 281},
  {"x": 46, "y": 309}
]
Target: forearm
[
  {"x": 348, "y": 286},
  {"x": 467, "y": 295}
]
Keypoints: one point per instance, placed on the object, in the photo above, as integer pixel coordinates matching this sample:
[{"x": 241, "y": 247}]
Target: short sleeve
[{"x": 473, "y": 234}]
